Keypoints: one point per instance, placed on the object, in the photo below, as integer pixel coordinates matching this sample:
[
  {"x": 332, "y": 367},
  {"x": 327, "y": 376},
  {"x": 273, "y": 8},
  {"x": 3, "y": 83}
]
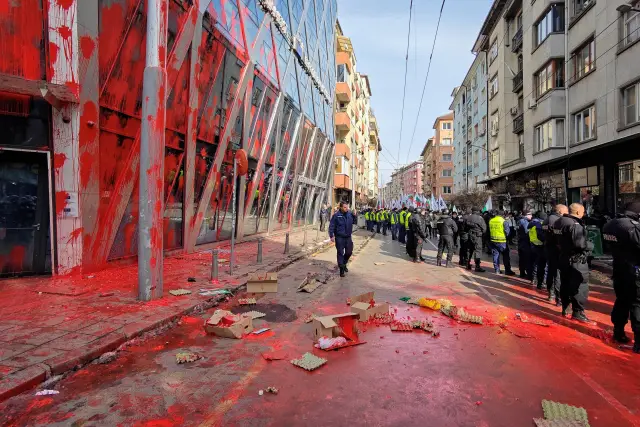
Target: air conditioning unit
[
  {"x": 514, "y": 111},
  {"x": 533, "y": 104}
]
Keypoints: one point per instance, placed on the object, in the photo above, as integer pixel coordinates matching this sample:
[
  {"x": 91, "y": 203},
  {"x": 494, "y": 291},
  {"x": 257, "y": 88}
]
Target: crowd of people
[{"x": 553, "y": 250}]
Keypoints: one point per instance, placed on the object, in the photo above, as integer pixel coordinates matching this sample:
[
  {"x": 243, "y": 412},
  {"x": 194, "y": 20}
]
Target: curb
[{"x": 28, "y": 378}]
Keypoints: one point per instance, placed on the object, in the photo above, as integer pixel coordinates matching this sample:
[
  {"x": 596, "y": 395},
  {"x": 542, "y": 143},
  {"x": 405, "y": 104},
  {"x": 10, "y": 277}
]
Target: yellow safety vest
[
  {"x": 402, "y": 216},
  {"x": 496, "y": 230},
  {"x": 366, "y": 216},
  {"x": 533, "y": 236},
  {"x": 406, "y": 220},
  {"x": 393, "y": 218}
]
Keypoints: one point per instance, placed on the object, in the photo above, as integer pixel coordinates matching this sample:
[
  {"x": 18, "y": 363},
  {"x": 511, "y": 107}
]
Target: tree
[{"x": 468, "y": 199}]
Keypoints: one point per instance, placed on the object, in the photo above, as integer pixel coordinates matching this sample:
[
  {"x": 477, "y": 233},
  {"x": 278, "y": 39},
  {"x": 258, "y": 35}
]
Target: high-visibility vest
[
  {"x": 496, "y": 230},
  {"x": 394, "y": 218},
  {"x": 533, "y": 236},
  {"x": 366, "y": 216},
  {"x": 402, "y": 216},
  {"x": 406, "y": 220}
]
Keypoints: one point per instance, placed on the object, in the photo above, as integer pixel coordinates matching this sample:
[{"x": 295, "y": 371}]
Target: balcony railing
[
  {"x": 516, "y": 41},
  {"x": 518, "y": 123},
  {"x": 517, "y": 82}
]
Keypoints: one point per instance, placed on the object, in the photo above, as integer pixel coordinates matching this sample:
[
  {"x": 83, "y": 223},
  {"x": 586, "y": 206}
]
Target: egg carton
[
  {"x": 309, "y": 362},
  {"x": 541, "y": 422},
  {"x": 383, "y": 318},
  {"x": 179, "y": 292},
  {"x": 254, "y": 314},
  {"x": 247, "y": 301},
  {"x": 401, "y": 327},
  {"x": 560, "y": 411}
]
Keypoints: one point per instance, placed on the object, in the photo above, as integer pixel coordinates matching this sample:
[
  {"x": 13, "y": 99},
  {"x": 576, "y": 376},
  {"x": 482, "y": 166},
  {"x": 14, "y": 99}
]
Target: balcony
[
  {"x": 343, "y": 92},
  {"x": 343, "y": 150},
  {"x": 343, "y": 122},
  {"x": 517, "y": 82},
  {"x": 342, "y": 181},
  {"x": 516, "y": 41},
  {"x": 518, "y": 123}
]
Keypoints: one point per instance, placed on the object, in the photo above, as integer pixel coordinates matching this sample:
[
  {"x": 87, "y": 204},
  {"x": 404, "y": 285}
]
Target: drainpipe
[{"x": 567, "y": 120}]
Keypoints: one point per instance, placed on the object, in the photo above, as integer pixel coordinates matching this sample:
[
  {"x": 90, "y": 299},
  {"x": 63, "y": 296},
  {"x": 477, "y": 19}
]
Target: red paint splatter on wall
[
  {"x": 58, "y": 160},
  {"x": 65, "y": 4},
  {"x": 87, "y": 45},
  {"x": 87, "y": 136},
  {"x": 61, "y": 201},
  {"x": 21, "y": 39}
]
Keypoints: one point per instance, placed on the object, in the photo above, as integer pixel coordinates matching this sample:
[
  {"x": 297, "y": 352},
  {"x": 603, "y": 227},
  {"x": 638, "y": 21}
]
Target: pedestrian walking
[
  {"x": 324, "y": 216},
  {"x": 402, "y": 231},
  {"x": 498, "y": 231},
  {"x": 538, "y": 258},
  {"x": 553, "y": 253},
  {"x": 340, "y": 230},
  {"x": 574, "y": 272},
  {"x": 623, "y": 235},
  {"x": 447, "y": 228},
  {"x": 524, "y": 247},
  {"x": 476, "y": 229}
]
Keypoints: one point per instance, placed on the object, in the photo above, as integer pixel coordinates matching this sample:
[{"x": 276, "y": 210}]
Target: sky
[{"x": 378, "y": 30}]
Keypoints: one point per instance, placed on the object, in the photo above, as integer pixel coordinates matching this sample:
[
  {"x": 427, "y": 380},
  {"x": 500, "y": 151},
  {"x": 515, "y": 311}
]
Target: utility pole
[
  {"x": 151, "y": 182},
  {"x": 354, "y": 178}
]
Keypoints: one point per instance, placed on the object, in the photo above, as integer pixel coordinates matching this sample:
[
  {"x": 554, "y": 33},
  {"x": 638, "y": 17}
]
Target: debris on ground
[
  {"x": 255, "y": 314},
  {"x": 459, "y": 313},
  {"x": 325, "y": 343},
  {"x": 260, "y": 283},
  {"x": 401, "y": 327},
  {"x": 308, "y": 318},
  {"x": 225, "y": 324},
  {"x": 260, "y": 392},
  {"x": 312, "y": 281},
  {"x": 179, "y": 292},
  {"x": 366, "y": 307},
  {"x": 107, "y": 357},
  {"x": 47, "y": 392},
  {"x": 379, "y": 263},
  {"x": 191, "y": 279},
  {"x": 51, "y": 382},
  {"x": 541, "y": 422},
  {"x": 272, "y": 390},
  {"x": 525, "y": 319},
  {"x": 405, "y": 299},
  {"x": 337, "y": 325},
  {"x": 559, "y": 411},
  {"x": 275, "y": 355},
  {"x": 433, "y": 304},
  {"x": 309, "y": 362},
  {"x": 247, "y": 301},
  {"x": 261, "y": 331},
  {"x": 187, "y": 357},
  {"x": 383, "y": 319},
  {"x": 106, "y": 294},
  {"x": 212, "y": 292}
]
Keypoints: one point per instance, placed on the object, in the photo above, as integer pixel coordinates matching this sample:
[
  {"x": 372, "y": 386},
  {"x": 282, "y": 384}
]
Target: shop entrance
[{"x": 25, "y": 240}]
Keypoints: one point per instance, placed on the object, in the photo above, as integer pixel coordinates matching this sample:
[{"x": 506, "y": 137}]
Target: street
[{"x": 494, "y": 374}]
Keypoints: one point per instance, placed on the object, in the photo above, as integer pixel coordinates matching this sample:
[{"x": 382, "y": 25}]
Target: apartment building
[
  {"x": 357, "y": 140},
  {"x": 395, "y": 185},
  {"x": 469, "y": 106},
  {"x": 564, "y": 102},
  {"x": 437, "y": 157}
]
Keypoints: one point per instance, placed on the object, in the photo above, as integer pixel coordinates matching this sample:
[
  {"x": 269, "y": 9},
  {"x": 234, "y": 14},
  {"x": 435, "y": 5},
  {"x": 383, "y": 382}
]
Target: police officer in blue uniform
[{"x": 340, "y": 230}]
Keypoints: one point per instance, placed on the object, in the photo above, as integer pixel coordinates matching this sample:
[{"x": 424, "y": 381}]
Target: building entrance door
[{"x": 25, "y": 240}]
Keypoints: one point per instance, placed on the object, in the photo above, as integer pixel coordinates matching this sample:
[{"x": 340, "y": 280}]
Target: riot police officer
[
  {"x": 476, "y": 228},
  {"x": 447, "y": 228},
  {"x": 552, "y": 253},
  {"x": 463, "y": 233},
  {"x": 574, "y": 272},
  {"x": 417, "y": 233},
  {"x": 623, "y": 234}
]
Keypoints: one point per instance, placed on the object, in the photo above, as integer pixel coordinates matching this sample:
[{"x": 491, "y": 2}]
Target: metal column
[{"x": 151, "y": 203}]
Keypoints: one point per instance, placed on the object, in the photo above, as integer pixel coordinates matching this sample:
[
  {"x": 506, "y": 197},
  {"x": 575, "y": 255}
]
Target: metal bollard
[
  {"x": 286, "y": 244},
  {"x": 259, "y": 260},
  {"x": 214, "y": 265}
]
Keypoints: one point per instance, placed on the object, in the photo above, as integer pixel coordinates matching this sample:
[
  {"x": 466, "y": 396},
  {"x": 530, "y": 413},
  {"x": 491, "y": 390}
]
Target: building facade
[
  {"x": 469, "y": 108},
  {"x": 251, "y": 75},
  {"x": 437, "y": 158},
  {"x": 563, "y": 102},
  {"x": 357, "y": 140}
]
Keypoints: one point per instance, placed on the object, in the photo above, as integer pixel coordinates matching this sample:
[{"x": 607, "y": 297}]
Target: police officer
[
  {"x": 498, "y": 231},
  {"x": 324, "y": 216},
  {"x": 524, "y": 246},
  {"x": 385, "y": 221},
  {"x": 623, "y": 234},
  {"x": 476, "y": 228},
  {"x": 340, "y": 229},
  {"x": 393, "y": 220},
  {"x": 411, "y": 238},
  {"x": 574, "y": 272},
  {"x": 447, "y": 228},
  {"x": 417, "y": 229},
  {"x": 552, "y": 253},
  {"x": 458, "y": 220},
  {"x": 366, "y": 218},
  {"x": 402, "y": 231},
  {"x": 463, "y": 234},
  {"x": 538, "y": 259}
]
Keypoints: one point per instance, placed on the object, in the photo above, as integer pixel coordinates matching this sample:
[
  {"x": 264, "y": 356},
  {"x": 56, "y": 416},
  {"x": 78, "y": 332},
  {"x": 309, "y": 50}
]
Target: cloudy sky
[{"x": 378, "y": 30}]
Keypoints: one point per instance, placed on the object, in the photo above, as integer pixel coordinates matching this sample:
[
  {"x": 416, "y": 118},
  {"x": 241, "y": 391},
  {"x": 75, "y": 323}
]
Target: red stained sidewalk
[{"x": 50, "y": 325}]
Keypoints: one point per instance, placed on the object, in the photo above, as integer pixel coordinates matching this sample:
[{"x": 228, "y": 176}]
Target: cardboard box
[
  {"x": 263, "y": 283},
  {"x": 225, "y": 324},
  {"x": 336, "y": 325},
  {"x": 365, "y": 307}
]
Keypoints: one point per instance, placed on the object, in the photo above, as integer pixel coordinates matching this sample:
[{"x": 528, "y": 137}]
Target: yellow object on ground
[{"x": 433, "y": 304}]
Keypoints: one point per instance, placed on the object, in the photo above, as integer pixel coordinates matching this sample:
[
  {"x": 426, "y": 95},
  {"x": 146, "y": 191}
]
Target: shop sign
[{"x": 585, "y": 177}]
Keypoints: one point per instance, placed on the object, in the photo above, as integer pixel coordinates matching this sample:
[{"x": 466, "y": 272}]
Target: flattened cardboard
[
  {"x": 242, "y": 326},
  {"x": 360, "y": 305},
  {"x": 263, "y": 283},
  {"x": 327, "y": 326},
  {"x": 362, "y": 298}
]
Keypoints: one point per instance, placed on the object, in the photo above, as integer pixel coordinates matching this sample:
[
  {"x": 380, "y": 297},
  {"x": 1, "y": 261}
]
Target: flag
[
  {"x": 441, "y": 204},
  {"x": 433, "y": 204},
  {"x": 454, "y": 209},
  {"x": 488, "y": 206}
]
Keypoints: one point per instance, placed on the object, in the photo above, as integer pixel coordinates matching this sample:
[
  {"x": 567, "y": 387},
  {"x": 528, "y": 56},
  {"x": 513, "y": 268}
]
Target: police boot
[
  {"x": 346, "y": 270},
  {"x": 551, "y": 297},
  {"x": 469, "y": 266},
  {"x": 480, "y": 269},
  {"x": 619, "y": 335},
  {"x": 580, "y": 317},
  {"x": 439, "y": 262},
  {"x": 341, "y": 271}
]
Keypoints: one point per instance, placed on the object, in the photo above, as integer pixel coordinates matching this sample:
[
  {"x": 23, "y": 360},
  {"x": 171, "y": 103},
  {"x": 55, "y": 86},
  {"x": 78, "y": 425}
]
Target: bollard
[
  {"x": 259, "y": 260},
  {"x": 286, "y": 244},
  {"x": 214, "y": 265},
  {"x": 304, "y": 239}
]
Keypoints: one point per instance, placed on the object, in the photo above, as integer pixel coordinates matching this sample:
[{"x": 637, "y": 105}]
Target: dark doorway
[{"x": 25, "y": 245}]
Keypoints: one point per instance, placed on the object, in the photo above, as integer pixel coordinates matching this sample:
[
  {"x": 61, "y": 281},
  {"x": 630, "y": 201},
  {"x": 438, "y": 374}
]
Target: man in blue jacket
[
  {"x": 340, "y": 229},
  {"x": 524, "y": 246}
]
